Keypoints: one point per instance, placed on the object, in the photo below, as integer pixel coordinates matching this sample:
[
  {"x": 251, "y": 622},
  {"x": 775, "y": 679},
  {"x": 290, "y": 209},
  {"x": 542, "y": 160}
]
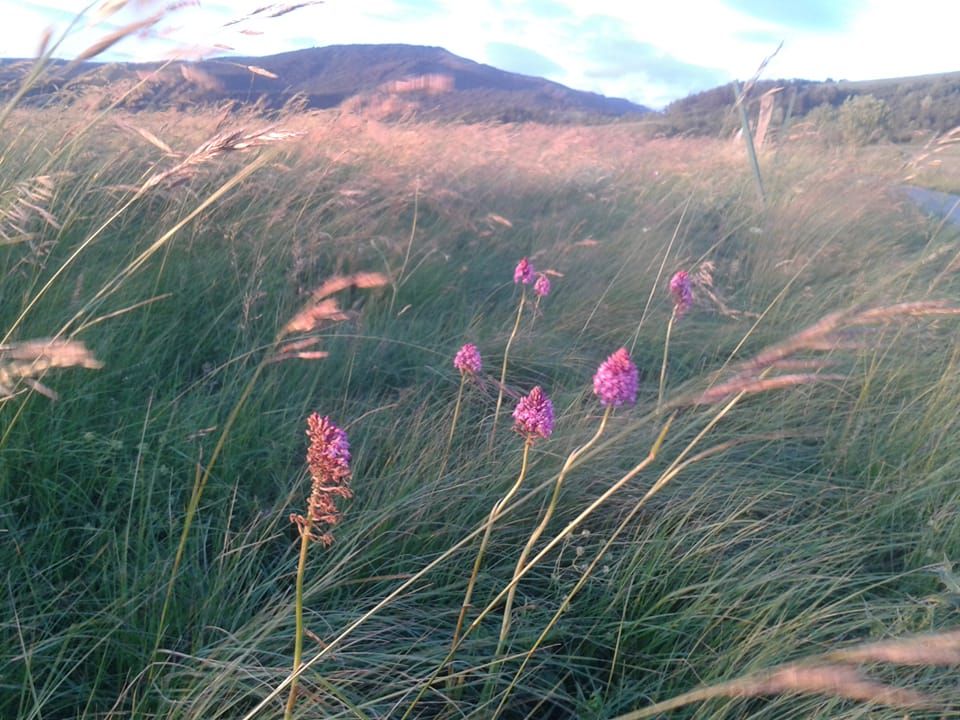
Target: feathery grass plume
[
  {"x": 319, "y": 311},
  {"x": 833, "y": 674},
  {"x": 682, "y": 293},
  {"x": 224, "y": 142},
  {"x": 328, "y": 459},
  {"x": 831, "y": 680},
  {"x": 614, "y": 384},
  {"x": 470, "y": 364},
  {"x": 263, "y": 72},
  {"x": 112, "y": 38},
  {"x": 701, "y": 285},
  {"x": 835, "y": 331},
  {"x": 523, "y": 275},
  {"x": 533, "y": 419},
  {"x": 23, "y": 206},
  {"x": 932, "y": 649},
  {"x": 23, "y": 362}
]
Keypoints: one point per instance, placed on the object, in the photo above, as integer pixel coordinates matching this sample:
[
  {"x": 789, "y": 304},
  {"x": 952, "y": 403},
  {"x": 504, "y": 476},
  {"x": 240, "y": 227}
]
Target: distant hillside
[
  {"x": 391, "y": 80},
  {"x": 921, "y": 105}
]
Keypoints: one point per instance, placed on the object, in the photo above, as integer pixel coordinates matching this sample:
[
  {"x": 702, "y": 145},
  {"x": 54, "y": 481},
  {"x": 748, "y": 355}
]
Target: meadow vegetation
[{"x": 805, "y": 508}]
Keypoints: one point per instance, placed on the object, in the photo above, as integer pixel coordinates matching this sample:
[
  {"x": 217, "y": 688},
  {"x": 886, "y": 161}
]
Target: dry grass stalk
[
  {"x": 702, "y": 281},
  {"x": 263, "y": 72},
  {"x": 111, "y": 39},
  {"x": 832, "y": 680},
  {"x": 833, "y": 332},
  {"x": 319, "y": 311},
  {"x": 930, "y": 150},
  {"x": 196, "y": 76},
  {"x": 342, "y": 282},
  {"x": 272, "y": 10},
  {"x": 23, "y": 362},
  {"x": 22, "y": 204},
  {"x": 148, "y": 136},
  {"x": 833, "y": 674},
  {"x": 940, "y": 649},
  {"x": 298, "y": 349},
  {"x": 313, "y": 315},
  {"x": 224, "y": 142},
  {"x": 923, "y": 308},
  {"x": 749, "y": 386},
  {"x": 278, "y": 10}
]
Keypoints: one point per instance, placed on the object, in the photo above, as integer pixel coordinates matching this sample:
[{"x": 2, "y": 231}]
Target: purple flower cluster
[
  {"x": 328, "y": 458},
  {"x": 524, "y": 272},
  {"x": 467, "y": 360},
  {"x": 681, "y": 291},
  {"x": 542, "y": 286},
  {"x": 615, "y": 381},
  {"x": 329, "y": 453},
  {"x": 533, "y": 415}
]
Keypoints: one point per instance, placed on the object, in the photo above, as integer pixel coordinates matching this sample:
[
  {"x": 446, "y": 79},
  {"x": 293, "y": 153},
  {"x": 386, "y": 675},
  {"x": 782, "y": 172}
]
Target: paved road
[{"x": 941, "y": 204}]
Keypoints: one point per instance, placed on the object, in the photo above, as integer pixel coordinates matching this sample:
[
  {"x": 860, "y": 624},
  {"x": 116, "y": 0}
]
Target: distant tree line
[{"x": 862, "y": 112}]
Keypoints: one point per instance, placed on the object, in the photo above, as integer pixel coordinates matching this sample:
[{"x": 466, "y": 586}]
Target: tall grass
[{"x": 809, "y": 518}]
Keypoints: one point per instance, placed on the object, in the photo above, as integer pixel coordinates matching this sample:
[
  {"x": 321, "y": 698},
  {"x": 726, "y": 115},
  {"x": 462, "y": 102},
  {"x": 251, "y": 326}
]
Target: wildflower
[
  {"x": 534, "y": 415},
  {"x": 467, "y": 360},
  {"x": 542, "y": 286},
  {"x": 328, "y": 458},
  {"x": 615, "y": 381},
  {"x": 523, "y": 272},
  {"x": 681, "y": 291}
]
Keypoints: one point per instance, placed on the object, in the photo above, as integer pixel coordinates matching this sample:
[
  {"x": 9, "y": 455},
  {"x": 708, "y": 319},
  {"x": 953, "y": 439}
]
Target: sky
[{"x": 648, "y": 52}]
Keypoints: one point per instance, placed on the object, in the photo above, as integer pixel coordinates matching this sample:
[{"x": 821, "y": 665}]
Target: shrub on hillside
[{"x": 863, "y": 119}]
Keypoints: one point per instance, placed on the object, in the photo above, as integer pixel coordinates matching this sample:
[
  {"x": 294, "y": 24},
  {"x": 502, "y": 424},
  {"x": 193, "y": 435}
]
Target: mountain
[{"x": 391, "y": 80}]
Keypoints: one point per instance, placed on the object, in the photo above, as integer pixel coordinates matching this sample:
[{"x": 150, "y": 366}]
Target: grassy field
[{"x": 802, "y": 502}]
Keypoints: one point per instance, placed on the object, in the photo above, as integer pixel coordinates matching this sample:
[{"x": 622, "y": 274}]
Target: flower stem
[
  {"x": 494, "y": 514},
  {"x": 503, "y": 370},
  {"x": 298, "y": 614},
  {"x": 666, "y": 351},
  {"x": 532, "y": 541},
  {"x": 536, "y": 311},
  {"x": 453, "y": 426}
]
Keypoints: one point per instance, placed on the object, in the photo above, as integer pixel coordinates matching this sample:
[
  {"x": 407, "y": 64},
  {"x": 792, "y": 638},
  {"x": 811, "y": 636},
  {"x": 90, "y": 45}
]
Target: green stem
[
  {"x": 666, "y": 352},
  {"x": 298, "y": 614},
  {"x": 532, "y": 541},
  {"x": 503, "y": 370},
  {"x": 494, "y": 514},
  {"x": 537, "y": 558},
  {"x": 748, "y": 139},
  {"x": 453, "y": 426}
]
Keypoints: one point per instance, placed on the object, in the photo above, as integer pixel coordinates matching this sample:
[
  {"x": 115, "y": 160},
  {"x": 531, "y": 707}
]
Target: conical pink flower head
[
  {"x": 542, "y": 286},
  {"x": 681, "y": 291},
  {"x": 329, "y": 453},
  {"x": 328, "y": 458},
  {"x": 523, "y": 272},
  {"x": 533, "y": 415},
  {"x": 615, "y": 381},
  {"x": 467, "y": 360}
]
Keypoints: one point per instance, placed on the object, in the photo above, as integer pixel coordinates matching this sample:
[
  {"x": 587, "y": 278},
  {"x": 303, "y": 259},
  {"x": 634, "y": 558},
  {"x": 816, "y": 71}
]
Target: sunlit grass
[{"x": 810, "y": 517}]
